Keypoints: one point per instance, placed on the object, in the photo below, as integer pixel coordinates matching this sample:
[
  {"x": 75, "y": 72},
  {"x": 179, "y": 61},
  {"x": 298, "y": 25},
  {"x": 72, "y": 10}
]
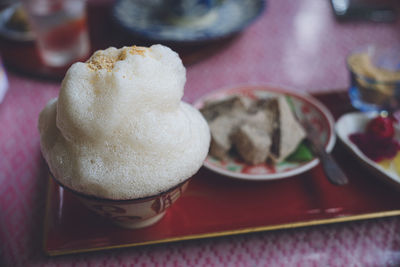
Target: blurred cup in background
[
  {"x": 61, "y": 30},
  {"x": 375, "y": 78}
]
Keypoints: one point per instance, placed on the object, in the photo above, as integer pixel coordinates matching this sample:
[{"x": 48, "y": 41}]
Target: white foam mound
[{"x": 119, "y": 129}]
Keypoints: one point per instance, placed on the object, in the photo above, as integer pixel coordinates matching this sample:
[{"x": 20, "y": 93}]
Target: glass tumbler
[
  {"x": 375, "y": 78},
  {"x": 60, "y": 28}
]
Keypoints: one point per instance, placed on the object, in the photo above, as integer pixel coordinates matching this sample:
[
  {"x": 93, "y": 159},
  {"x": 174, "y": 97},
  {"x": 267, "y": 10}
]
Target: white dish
[
  {"x": 356, "y": 122},
  {"x": 310, "y": 108}
]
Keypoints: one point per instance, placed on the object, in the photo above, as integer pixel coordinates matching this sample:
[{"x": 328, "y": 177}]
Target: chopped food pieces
[
  {"x": 18, "y": 21},
  {"x": 252, "y": 143},
  {"x": 291, "y": 133},
  {"x": 258, "y": 130},
  {"x": 221, "y": 129},
  {"x": 231, "y": 106}
]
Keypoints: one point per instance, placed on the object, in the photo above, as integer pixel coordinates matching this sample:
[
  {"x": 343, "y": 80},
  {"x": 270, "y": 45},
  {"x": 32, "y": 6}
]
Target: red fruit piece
[
  {"x": 381, "y": 127},
  {"x": 375, "y": 148}
]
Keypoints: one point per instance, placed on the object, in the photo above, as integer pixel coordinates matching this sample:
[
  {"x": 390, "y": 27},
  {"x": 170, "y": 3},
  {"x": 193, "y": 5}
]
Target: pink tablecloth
[{"x": 295, "y": 44}]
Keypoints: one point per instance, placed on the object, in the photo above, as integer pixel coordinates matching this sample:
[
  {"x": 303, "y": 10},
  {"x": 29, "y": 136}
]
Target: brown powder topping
[
  {"x": 122, "y": 55},
  {"x": 137, "y": 50},
  {"x": 101, "y": 61}
]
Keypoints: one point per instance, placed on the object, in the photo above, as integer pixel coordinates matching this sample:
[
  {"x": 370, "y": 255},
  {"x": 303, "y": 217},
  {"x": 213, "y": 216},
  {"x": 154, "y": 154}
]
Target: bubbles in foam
[{"x": 119, "y": 128}]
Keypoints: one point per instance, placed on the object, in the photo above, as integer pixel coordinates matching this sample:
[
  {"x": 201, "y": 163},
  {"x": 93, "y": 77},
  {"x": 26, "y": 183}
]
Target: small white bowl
[{"x": 355, "y": 123}]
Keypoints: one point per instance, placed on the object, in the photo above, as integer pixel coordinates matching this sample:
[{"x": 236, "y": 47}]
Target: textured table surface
[{"x": 295, "y": 44}]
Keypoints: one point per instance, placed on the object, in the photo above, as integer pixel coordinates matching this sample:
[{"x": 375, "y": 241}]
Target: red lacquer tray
[{"x": 214, "y": 205}]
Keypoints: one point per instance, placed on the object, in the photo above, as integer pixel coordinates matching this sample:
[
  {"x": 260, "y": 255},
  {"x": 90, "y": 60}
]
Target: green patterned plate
[{"x": 310, "y": 108}]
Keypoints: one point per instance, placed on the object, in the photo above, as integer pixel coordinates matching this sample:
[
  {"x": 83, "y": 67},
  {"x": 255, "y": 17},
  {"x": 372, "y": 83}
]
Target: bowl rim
[{"x": 124, "y": 201}]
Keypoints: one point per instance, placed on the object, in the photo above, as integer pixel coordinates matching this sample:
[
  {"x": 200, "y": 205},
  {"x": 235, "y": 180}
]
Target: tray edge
[{"x": 358, "y": 217}]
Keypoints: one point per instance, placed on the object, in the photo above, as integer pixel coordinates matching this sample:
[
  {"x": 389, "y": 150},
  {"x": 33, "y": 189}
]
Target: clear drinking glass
[
  {"x": 61, "y": 30},
  {"x": 375, "y": 78}
]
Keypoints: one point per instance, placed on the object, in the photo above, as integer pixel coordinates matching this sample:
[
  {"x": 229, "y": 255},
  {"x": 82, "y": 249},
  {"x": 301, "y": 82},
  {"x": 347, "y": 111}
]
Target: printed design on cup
[
  {"x": 127, "y": 219},
  {"x": 107, "y": 210},
  {"x": 115, "y": 213},
  {"x": 166, "y": 200},
  {"x": 138, "y": 210}
]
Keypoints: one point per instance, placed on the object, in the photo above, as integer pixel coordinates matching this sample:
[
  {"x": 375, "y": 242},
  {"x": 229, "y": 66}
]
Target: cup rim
[
  {"x": 372, "y": 80},
  {"x": 100, "y": 199},
  {"x": 363, "y": 77}
]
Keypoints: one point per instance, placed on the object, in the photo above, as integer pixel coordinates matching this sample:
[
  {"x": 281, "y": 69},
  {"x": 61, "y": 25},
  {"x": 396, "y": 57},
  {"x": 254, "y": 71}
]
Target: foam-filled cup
[
  {"x": 132, "y": 213},
  {"x": 119, "y": 137}
]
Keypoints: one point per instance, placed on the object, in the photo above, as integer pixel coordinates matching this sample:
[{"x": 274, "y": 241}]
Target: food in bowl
[
  {"x": 262, "y": 130},
  {"x": 18, "y": 20},
  {"x": 379, "y": 143},
  {"x": 119, "y": 131}
]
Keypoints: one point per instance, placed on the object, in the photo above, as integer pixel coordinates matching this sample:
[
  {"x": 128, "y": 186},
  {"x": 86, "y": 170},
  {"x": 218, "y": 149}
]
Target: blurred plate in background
[{"x": 223, "y": 20}]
